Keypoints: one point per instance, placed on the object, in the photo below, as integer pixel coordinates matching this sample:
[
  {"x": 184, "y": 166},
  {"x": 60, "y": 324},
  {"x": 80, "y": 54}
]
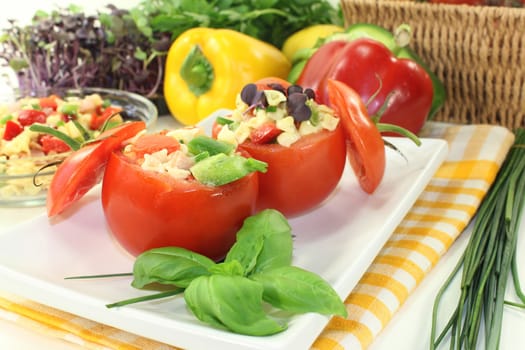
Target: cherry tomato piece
[
  {"x": 28, "y": 117},
  {"x": 83, "y": 169},
  {"x": 301, "y": 176},
  {"x": 12, "y": 130},
  {"x": 365, "y": 146},
  {"x": 146, "y": 209},
  {"x": 52, "y": 144},
  {"x": 265, "y": 133}
]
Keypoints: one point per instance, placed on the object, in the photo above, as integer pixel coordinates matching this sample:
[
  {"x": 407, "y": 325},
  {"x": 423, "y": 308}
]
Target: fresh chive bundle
[{"x": 489, "y": 258}]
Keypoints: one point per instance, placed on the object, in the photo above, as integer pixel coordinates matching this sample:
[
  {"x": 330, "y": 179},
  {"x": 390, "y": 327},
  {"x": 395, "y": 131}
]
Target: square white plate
[{"x": 338, "y": 241}]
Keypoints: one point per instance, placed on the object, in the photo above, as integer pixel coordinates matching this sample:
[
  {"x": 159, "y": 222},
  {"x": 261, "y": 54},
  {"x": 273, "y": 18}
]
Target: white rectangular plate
[{"x": 338, "y": 241}]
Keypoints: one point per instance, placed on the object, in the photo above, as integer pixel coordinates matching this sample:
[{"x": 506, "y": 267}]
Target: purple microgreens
[
  {"x": 277, "y": 87},
  {"x": 296, "y": 104},
  {"x": 294, "y": 89},
  {"x": 297, "y": 107},
  {"x": 309, "y": 93},
  {"x": 253, "y": 98}
]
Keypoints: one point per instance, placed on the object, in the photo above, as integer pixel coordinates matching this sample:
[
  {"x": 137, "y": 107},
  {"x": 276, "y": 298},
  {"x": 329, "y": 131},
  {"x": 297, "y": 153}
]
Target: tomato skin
[
  {"x": 365, "y": 146},
  {"x": 145, "y": 209},
  {"x": 301, "y": 176},
  {"x": 268, "y": 82},
  {"x": 83, "y": 169}
]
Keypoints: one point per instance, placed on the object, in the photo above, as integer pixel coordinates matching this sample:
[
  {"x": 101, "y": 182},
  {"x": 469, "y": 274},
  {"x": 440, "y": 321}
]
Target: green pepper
[
  {"x": 396, "y": 42},
  {"x": 207, "y": 144},
  {"x": 221, "y": 169},
  {"x": 69, "y": 109}
]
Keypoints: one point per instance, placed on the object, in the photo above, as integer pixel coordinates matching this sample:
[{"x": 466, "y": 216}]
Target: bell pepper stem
[
  {"x": 197, "y": 71},
  {"x": 402, "y": 37}
]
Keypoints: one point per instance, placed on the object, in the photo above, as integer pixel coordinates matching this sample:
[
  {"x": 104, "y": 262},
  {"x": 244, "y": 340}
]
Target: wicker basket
[{"x": 477, "y": 51}]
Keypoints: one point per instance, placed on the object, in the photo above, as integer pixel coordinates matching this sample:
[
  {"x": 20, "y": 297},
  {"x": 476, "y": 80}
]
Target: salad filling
[
  {"x": 275, "y": 115},
  {"x": 188, "y": 154},
  {"x": 18, "y": 140},
  {"x": 24, "y": 152}
]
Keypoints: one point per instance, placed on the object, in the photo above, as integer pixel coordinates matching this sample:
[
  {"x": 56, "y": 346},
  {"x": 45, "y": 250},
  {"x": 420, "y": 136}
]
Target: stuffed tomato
[
  {"x": 302, "y": 142},
  {"x": 179, "y": 188}
]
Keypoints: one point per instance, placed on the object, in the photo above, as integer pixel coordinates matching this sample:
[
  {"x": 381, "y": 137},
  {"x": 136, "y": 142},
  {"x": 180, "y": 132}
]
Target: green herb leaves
[
  {"x": 232, "y": 294},
  {"x": 269, "y": 20}
]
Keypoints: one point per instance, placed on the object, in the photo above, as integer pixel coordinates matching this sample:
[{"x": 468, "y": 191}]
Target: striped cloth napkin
[{"x": 439, "y": 215}]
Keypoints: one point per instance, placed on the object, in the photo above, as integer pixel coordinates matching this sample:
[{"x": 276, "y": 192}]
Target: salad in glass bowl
[{"x": 29, "y": 156}]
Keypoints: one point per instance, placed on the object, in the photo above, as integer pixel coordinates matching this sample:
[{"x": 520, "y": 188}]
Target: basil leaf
[
  {"x": 169, "y": 265},
  {"x": 230, "y": 302},
  {"x": 230, "y": 268},
  {"x": 294, "y": 289},
  {"x": 263, "y": 242}
]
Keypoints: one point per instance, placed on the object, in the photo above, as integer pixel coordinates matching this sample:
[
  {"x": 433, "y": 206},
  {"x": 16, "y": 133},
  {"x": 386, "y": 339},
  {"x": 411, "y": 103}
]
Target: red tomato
[
  {"x": 52, "y": 144},
  {"x": 28, "y": 117},
  {"x": 83, "y": 169},
  {"x": 146, "y": 209},
  {"x": 301, "y": 176},
  {"x": 365, "y": 146},
  {"x": 12, "y": 130}
]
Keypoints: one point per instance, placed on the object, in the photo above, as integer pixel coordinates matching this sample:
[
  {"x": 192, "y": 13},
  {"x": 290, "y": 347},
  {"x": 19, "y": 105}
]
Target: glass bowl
[{"x": 24, "y": 181}]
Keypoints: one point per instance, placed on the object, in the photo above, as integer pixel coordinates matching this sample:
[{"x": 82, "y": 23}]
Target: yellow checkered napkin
[{"x": 440, "y": 214}]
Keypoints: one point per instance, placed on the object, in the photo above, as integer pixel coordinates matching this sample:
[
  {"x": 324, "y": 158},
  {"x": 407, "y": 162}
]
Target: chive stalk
[{"x": 488, "y": 261}]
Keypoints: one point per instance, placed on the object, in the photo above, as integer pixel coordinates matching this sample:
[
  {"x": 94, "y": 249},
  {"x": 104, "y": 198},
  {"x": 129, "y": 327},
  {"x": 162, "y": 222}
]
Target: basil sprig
[{"x": 232, "y": 294}]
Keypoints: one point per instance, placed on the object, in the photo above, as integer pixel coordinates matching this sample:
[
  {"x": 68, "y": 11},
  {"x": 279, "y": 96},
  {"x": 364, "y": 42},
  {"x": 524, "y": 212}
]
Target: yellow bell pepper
[
  {"x": 206, "y": 69},
  {"x": 307, "y": 38}
]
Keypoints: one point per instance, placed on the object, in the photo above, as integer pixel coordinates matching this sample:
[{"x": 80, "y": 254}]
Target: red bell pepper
[{"x": 399, "y": 91}]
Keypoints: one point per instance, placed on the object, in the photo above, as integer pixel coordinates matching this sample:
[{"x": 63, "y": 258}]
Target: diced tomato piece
[
  {"x": 100, "y": 115},
  {"x": 49, "y": 102},
  {"x": 265, "y": 133},
  {"x": 28, "y": 117},
  {"x": 151, "y": 143},
  {"x": 12, "y": 129},
  {"x": 53, "y": 144}
]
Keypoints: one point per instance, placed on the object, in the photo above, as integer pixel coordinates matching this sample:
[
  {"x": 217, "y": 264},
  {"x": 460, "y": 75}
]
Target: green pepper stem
[
  {"x": 383, "y": 127},
  {"x": 197, "y": 71}
]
